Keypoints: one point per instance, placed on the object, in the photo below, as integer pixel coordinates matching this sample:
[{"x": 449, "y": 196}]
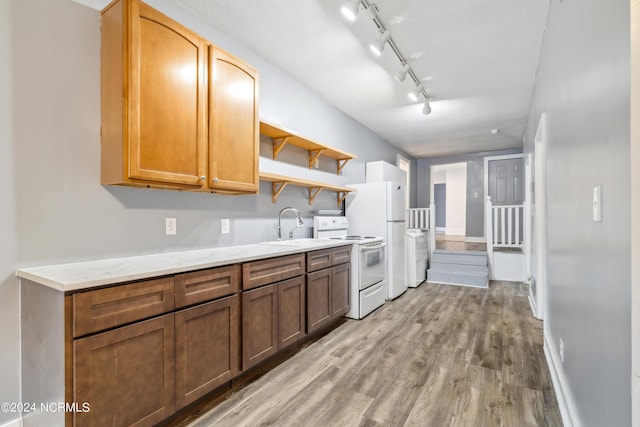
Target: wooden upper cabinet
[
  {"x": 234, "y": 126},
  {"x": 162, "y": 124},
  {"x": 154, "y": 99}
]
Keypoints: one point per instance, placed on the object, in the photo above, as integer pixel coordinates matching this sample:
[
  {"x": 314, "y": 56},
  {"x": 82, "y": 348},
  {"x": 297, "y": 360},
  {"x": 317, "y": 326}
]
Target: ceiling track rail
[{"x": 381, "y": 27}]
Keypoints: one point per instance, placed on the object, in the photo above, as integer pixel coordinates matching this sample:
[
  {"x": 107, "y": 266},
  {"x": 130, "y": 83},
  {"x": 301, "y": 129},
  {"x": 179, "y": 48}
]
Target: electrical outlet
[
  {"x": 170, "y": 226},
  {"x": 561, "y": 351},
  {"x": 224, "y": 226}
]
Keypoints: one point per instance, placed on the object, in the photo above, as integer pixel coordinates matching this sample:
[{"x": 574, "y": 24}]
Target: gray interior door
[
  {"x": 506, "y": 181},
  {"x": 440, "y": 199},
  {"x": 506, "y": 187}
]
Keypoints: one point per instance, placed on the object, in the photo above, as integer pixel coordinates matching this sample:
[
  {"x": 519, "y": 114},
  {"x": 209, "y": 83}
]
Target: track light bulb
[
  {"x": 402, "y": 73},
  {"x": 350, "y": 9},
  {"x": 416, "y": 93},
  {"x": 426, "y": 109},
  {"x": 378, "y": 46}
]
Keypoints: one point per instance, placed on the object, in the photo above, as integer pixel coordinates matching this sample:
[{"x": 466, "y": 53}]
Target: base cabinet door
[
  {"x": 127, "y": 374},
  {"x": 291, "y": 311},
  {"x": 207, "y": 348},
  {"x": 318, "y": 299},
  {"x": 259, "y": 325},
  {"x": 340, "y": 303}
]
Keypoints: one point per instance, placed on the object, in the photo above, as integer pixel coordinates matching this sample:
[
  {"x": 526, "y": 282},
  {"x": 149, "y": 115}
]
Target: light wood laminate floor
[{"x": 439, "y": 355}]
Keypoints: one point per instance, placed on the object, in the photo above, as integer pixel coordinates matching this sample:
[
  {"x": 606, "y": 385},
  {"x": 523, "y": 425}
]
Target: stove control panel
[{"x": 323, "y": 223}]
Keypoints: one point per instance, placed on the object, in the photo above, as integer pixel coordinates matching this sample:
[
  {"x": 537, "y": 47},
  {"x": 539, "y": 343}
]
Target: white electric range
[{"x": 368, "y": 264}]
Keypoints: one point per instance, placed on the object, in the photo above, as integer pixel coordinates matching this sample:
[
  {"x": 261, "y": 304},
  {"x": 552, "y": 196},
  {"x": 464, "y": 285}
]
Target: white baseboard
[
  {"x": 564, "y": 397},
  {"x": 474, "y": 239},
  {"x": 532, "y": 304},
  {"x": 454, "y": 231},
  {"x": 13, "y": 423}
]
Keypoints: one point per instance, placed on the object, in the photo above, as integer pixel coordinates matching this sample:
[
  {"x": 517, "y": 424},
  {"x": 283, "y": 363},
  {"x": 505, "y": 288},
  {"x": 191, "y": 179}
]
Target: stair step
[
  {"x": 457, "y": 267},
  {"x": 460, "y": 257},
  {"x": 458, "y": 278}
]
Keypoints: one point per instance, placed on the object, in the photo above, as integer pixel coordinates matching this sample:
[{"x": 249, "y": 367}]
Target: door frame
[{"x": 540, "y": 216}]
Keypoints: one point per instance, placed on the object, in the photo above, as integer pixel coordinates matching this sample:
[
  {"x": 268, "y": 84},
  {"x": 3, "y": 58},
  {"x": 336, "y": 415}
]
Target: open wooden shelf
[
  {"x": 282, "y": 136},
  {"x": 279, "y": 182}
]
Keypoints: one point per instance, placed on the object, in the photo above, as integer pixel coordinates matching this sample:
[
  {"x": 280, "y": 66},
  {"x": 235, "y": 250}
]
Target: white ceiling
[{"x": 477, "y": 60}]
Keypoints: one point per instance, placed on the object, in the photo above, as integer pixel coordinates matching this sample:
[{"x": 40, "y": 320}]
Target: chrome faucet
[{"x": 299, "y": 222}]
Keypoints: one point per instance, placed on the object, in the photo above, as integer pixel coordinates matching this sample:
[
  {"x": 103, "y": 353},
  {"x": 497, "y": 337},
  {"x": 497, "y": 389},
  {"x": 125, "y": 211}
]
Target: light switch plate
[
  {"x": 170, "y": 226},
  {"x": 597, "y": 203},
  {"x": 224, "y": 226}
]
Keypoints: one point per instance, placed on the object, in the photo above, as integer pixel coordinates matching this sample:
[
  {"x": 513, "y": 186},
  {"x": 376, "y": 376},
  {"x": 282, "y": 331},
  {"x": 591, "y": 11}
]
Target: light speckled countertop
[{"x": 87, "y": 274}]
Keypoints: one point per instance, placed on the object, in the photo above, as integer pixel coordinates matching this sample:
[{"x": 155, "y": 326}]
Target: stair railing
[{"x": 502, "y": 227}]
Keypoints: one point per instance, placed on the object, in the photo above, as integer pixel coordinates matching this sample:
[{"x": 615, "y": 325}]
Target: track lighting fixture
[
  {"x": 402, "y": 73},
  {"x": 416, "y": 93},
  {"x": 378, "y": 46},
  {"x": 426, "y": 109},
  {"x": 350, "y": 9}
]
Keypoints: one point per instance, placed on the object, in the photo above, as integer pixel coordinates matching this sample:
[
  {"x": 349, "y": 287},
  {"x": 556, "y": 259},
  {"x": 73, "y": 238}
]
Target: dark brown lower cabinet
[
  {"x": 291, "y": 311},
  {"x": 259, "y": 325},
  {"x": 273, "y": 317},
  {"x": 340, "y": 303},
  {"x": 127, "y": 374},
  {"x": 327, "y": 295},
  {"x": 207, "y": 348},
  {"x": 318, "y": 299}
]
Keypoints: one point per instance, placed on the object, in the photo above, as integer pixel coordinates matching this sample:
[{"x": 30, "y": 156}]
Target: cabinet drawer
[
  {"x": 106, "y": 308},
  {"x": 317, "y": 260},
  {"x": 204, "y": 285},
  {"x": 341, "y": 254},
  {"x": 262, "y": 272}
]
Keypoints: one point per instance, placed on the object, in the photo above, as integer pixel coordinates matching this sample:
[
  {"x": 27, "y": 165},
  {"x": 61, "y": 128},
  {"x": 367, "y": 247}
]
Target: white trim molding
[
  {"x": 470, "y": 239},
  {"x": 566, "y": 403}
]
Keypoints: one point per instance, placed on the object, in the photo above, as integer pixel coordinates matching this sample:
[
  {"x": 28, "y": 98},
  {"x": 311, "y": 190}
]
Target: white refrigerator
[{"x": 378, "y": 209}]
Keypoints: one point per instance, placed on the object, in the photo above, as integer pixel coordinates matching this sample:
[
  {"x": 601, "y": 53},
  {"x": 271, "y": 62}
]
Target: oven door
[{"x": 372, "y": 264}]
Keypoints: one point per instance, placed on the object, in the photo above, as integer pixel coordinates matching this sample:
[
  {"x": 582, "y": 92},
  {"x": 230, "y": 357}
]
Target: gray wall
[
  {"x": 583, "y": 84},
  {"x": 475, "y": 184},
  {"x": 53, "y": 206},
  {"x": 9, "y": 295}
]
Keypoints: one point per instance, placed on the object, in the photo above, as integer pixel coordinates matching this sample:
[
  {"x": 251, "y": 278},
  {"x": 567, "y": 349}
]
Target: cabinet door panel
[
  {"x": 291, "y": 311},
  {"x": 259, "y": 325},
  {"x": 234, "y": 128},
  {"x": 109, "y": 307},
  {"x": 167, "y": 90},
  {"x": 127, "y": 375},
  {"x": 318, "y": 299},
  {"x": 207, "y": 348},
  {"x": 205, "y": 285},
  {"x": 340, "y": 303}
]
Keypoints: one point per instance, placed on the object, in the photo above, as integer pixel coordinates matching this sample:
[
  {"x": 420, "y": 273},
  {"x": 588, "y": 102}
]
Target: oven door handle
[{"x": 371, "y": 248}]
